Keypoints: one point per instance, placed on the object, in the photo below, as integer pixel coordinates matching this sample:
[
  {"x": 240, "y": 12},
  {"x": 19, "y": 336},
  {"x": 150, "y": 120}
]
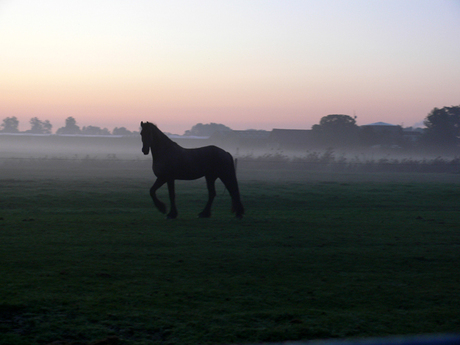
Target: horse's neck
[{"x": 163, "y": 144}]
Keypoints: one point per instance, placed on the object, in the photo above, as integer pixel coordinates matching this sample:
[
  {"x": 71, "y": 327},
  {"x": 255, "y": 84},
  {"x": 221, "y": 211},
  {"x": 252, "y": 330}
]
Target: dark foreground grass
[{"x": 87, "y": 258}]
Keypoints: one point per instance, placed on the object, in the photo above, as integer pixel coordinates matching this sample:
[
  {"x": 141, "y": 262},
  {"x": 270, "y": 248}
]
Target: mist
[{"x": 66, "y": 156}]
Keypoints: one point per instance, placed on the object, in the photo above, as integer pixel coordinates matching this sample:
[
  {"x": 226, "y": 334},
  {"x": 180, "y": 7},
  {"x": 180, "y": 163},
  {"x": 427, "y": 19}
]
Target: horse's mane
[{"x": 160, "y": 135}]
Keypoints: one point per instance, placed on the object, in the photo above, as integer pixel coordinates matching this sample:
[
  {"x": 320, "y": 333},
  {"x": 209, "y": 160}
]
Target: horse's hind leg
[
  {"x": 160, "y": 205},
  {"x": 210, "y": 183},
  {"x": 172, "y": 197},
  {"x": 231, "y": 184}
]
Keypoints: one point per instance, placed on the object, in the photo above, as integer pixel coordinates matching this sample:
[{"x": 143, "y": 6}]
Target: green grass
[{"x": 84, "y": 258}]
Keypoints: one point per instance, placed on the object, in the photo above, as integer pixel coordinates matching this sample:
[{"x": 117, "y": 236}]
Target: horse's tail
[{"x": 231, "y": 183}]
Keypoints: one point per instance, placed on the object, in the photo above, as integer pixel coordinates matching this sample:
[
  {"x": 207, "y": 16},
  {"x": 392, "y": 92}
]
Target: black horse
[{"x": 173, "y": 162}]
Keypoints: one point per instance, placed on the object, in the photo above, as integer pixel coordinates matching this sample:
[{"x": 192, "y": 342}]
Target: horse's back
[
  {"x": 210, "y": 152},
  {"x": 194, "y": 163}
]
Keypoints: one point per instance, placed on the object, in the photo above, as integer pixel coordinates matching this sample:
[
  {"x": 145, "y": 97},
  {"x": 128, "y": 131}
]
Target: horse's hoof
[
  {"x": 204, "y": 215},
  {"x": 171, "y": 216}
]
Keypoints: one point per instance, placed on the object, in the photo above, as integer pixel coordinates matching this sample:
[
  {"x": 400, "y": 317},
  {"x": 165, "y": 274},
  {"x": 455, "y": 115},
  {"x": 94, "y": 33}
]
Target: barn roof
[{"x": 381, "y": 124}]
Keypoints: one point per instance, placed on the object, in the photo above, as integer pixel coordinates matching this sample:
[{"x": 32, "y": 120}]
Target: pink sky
[{"x": 256, "y": 64}]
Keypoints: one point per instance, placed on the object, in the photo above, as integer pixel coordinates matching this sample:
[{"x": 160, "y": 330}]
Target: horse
[{"x": 172, "y": 162}]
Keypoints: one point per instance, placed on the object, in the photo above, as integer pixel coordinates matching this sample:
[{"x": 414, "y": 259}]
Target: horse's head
[{"x": 147, "y": 137}]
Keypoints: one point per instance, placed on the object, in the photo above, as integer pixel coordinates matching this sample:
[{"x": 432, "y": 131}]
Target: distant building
[
  {"x": 291, "y": 138},
  {"x": 241, "y": 138},
  {"x": 385, "y": 134},
  {"x": 252, "y": 134},
  {"x": 380, "y": 127},
  {"x": 412, "y": 135}
]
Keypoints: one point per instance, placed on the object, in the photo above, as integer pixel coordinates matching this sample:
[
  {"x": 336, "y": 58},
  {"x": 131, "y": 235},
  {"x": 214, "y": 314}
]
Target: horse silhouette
[{"x": 172, "y": 162}]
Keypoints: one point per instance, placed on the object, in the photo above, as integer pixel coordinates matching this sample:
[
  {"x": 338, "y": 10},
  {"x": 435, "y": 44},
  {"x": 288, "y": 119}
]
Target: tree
[
  {"x": 70, "y": 127},
  {"x": 93, "y": 130},
  {"x": 442, "y": 127},
  {"x": 39, "y": 127},
  {"x": 10, "y": 125},
  {"x": 206, "y": 130},
  {"x": 121, "y": 131},
  {"x": 336, "y": 130}
]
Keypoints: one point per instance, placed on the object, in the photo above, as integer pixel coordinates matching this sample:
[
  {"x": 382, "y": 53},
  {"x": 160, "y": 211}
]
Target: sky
[{"x": 246, "y": 64}]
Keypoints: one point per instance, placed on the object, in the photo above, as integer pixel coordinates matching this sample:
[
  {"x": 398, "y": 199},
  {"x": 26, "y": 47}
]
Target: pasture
[{"x": 85, "y": 255}]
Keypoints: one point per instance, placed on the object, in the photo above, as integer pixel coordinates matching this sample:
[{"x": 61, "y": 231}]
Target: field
[{"x": 84, "y": 256}]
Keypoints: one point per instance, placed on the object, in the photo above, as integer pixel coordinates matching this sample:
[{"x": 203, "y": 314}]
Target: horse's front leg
[
  {"x": 172, "y": 198},
  {"x": 210, "y": 183},
  {"x": 160, "y": 205}
]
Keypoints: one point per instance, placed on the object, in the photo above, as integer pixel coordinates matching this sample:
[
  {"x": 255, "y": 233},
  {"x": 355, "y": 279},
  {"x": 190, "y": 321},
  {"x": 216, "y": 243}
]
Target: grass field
[{"x": 85, "y": 256}]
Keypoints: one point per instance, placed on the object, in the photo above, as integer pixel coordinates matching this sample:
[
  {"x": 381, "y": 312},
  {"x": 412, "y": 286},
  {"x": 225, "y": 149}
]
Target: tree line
[
  {"x": 442, "y": 130},
  {"x": 37, "y": 126}
]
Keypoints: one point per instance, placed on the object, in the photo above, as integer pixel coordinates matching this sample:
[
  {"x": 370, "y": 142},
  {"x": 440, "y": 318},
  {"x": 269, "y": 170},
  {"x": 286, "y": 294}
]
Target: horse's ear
[{"x": 142, "y": 123}]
